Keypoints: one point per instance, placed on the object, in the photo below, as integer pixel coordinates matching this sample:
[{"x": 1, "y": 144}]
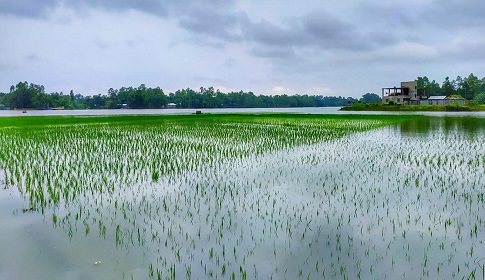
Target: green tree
[
  {"x": 221, "y": 100},
  {"x": 136, "y": 97},
  {"x": 428, "y": 88},
  {"x": 471, "y": 87},
  {"x": 423, "y": 83},
  {"x": 371, "y": 98},
  {"x": 186, "y": 98},
  {"x": 448, "y": 87},
  {"x": 479, "y": 98},
  {"x": 208, "y": 97},
  {"x": 155, "y": 98},
  {"x": 25, "y": 94}
]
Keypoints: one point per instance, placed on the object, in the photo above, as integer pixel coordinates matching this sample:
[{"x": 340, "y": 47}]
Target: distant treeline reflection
[{"x": 469, "y": 126}]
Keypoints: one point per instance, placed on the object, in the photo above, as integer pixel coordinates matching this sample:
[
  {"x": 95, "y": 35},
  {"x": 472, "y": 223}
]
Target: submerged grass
[
  {"x": 257, "y": 196},
  {"x": 54, "y": 159},
  {"x": 29, "y": 121}
]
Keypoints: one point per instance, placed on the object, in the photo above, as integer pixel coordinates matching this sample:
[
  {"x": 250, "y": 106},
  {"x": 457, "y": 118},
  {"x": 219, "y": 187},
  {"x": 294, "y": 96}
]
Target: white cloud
[
  {"x": 465, "y": 48},
  {"x": 270, "y": 47},
  {"x": 406, "y": 52},
  {"x": 280, "y": 90}
]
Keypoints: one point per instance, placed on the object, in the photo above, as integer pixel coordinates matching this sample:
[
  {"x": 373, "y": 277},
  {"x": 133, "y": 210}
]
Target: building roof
[
  {"x": 443, "y": 97},
  {"x": 438, "y": 97}
]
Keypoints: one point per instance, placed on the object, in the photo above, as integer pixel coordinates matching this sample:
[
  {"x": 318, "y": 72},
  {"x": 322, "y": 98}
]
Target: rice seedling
[{"x": 317, "y": 195}]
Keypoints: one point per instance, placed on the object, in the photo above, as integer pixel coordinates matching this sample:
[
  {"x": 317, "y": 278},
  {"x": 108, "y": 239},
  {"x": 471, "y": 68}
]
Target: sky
[{"x": 319, "y": 47}]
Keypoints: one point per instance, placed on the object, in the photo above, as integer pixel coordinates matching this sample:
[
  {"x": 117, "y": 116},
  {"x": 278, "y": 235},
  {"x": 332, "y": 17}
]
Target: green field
[{"x": 243, "y": 196}]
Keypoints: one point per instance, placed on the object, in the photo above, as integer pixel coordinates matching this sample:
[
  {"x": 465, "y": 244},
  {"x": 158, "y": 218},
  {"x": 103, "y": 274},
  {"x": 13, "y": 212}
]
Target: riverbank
[{"x": 415, "y": 108}]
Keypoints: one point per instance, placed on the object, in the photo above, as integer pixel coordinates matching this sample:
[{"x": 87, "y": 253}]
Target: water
[
  {"x": 305, "y": 110},
  {"x": 403, "y": 201}
]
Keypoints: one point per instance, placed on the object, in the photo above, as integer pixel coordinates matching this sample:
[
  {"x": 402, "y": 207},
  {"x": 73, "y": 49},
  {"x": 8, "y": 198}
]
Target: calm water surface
[
  {"x": 305, "y": 110},
  {"x": 400, "y": 202}
]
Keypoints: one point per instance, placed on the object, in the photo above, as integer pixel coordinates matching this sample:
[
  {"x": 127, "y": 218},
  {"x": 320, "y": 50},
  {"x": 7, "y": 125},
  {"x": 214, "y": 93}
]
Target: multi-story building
[{"x": 407, "y": 93}]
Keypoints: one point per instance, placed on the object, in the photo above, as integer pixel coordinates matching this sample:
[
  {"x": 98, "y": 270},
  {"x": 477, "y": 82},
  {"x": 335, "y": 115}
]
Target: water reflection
[
  {"x": 298, "y": 110},
  {"x": 402, "y": 202},
  {"x": 471, "y": 126}
]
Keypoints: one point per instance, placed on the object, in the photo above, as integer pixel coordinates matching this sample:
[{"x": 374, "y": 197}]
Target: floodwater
[
  {"x": 306, "y": 110},
  {"x": 399, "y": 202},
  {"x": 297, "y": 110}
]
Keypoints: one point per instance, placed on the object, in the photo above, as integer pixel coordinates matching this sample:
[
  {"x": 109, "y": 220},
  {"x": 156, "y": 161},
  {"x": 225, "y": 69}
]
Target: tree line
[
  {"x": 471, "y": 87},
  {"x": 25, "y": 95},
  {"x": 29, "y": 95}
]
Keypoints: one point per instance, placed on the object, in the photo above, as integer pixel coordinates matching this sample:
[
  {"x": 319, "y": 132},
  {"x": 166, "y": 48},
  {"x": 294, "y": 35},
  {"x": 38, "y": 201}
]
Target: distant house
[
  {"x": 444, "y": 100},
  {"x": 407, "y": 93},
  {"x": 171, "y": 105}
]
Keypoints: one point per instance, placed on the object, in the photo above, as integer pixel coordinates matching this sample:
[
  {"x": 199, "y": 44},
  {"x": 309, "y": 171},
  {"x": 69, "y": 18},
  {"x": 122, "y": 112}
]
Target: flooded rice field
[{"x": 256, "y": 198}]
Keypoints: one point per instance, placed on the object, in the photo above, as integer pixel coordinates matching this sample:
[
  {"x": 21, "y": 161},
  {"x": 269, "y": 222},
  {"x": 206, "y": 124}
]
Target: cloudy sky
[{"x": 341, "y": 48}]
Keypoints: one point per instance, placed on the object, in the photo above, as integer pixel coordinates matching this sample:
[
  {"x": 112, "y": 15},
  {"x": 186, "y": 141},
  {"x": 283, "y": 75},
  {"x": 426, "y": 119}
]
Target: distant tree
[
  {"x": 479, "y": 98},
  {"x": 220, "y": 100},
  {"x": 433, "y": 89},
  {"x": 208, "y": 96},
  {"x": 281, "y": 101},
  {"x": 25, "y": 94},
  {"x": 423, "y": 83},
  {"x": 71, "y": 95},
  {"x": 136, "y": 97},
  {"x": 371, "y": 98},
  {"x": 471, "y": 87},
  {"x": 266, "y": 101},
  {"x": 448, "y": 87},
  {"x": 351, "y": 100},
  {"x": 427, "y": 88},
  {"x": 235, "y": 99},
  {"x": 155, "y": 98},
  {"x": 458, "y": 82},
  {"x": 249, "y": 100},
  {"x": 122, "y": 95},
  {"x": 185, "y": 98},
  {"x": 5, "y": 100}
]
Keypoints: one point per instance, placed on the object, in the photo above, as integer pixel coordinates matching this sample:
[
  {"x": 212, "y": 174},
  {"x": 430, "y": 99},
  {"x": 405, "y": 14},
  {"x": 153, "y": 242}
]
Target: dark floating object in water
[{"x": 30, "y": 209}]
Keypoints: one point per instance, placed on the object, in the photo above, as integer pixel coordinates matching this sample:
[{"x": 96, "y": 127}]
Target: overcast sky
[{"x": 341, "y": 48}]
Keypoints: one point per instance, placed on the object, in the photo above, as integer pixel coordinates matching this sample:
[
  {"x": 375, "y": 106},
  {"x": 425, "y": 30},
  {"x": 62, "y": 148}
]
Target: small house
[
  {"x": 171, "y": 106},
  {"x": 444, "y": 100}
]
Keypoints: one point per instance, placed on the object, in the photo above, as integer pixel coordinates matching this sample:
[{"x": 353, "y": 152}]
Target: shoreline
[{"x": 414, "y": 108}]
